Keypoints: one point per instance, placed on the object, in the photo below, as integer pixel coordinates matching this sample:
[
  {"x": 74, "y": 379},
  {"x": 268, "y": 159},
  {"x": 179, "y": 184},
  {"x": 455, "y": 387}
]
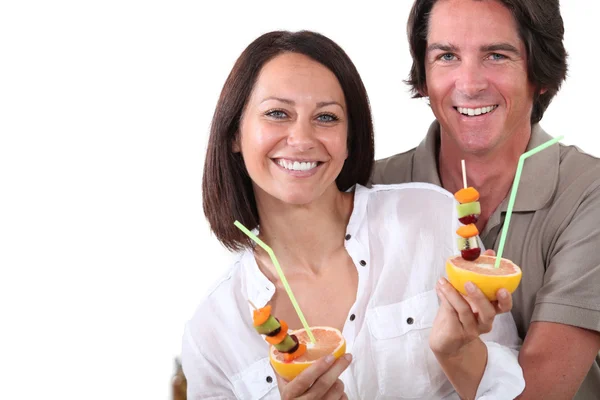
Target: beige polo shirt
[{"x": 554, "y": 233}]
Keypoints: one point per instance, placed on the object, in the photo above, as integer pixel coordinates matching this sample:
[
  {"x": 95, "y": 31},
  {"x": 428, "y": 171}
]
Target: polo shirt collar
[{"x": 539, "y": 179}]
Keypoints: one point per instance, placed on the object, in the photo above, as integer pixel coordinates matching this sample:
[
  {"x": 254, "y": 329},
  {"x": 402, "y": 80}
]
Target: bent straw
[
  {"x": 513, "y": 193},
  {"x": 281, "y": 276}
]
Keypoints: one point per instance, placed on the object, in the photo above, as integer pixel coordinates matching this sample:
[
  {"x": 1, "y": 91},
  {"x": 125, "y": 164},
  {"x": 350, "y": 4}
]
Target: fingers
[
  {"x": 489, "y": 253},
  {"x": 484, "y": 309},
  {"x": 327, "y": 380},
  {"x": 317, "y": 379},
  {"x": 336, "y": 392},
  {"x": 504, "y": 303},
  {"x": 459, "y": 305}
]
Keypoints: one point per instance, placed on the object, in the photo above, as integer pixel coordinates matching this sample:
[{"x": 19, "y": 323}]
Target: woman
[{"x": 291, "y": 145}]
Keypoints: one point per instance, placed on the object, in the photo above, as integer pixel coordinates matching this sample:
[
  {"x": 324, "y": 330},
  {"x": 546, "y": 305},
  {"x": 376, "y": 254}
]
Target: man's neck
[{"x": 491, "y": 173}]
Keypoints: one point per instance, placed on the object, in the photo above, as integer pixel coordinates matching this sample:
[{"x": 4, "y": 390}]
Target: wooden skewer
[
  {"x": 252, "y": 304},
  {"x": 464, "y": 172}
]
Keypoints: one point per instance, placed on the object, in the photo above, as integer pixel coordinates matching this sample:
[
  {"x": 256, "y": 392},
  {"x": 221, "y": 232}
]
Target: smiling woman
[{"x": 271, "y": 92}]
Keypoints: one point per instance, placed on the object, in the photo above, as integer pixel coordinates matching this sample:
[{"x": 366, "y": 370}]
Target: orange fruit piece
[
  {"x": 327, "y": 341},
  {"x": 292, "y": 356},
  {"x": 467, "y": 195},
  {"x": 280, "y": 336},
  {"x": 483, "y": 274},
  {"x": 467, "y": 231},
  {"x": 261, "y": 315}
]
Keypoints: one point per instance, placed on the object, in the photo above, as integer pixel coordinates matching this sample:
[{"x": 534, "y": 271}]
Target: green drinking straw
[
  {"x": 513, "y": 193},
  {"x": 281, "y": 276}
]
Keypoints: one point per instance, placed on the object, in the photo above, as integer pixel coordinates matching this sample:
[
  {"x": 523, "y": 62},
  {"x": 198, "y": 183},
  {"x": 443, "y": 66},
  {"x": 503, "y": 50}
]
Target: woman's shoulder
[
  {"x": 221, "y": 299},
  {"x": 410, "y": 187},
  {"x": 420, "y": 196}
]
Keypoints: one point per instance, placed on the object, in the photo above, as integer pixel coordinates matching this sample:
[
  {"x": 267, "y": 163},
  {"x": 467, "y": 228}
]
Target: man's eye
[
  {"x": 276, "y": 114},
  {"x": 447, "y": 57},
  {"x": 327, "y": 118},
  {"x": 496, "y": 56}
]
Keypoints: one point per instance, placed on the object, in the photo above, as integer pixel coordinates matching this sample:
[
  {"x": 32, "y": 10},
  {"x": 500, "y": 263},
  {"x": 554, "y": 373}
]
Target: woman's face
[{"x": 294, "y": 129}]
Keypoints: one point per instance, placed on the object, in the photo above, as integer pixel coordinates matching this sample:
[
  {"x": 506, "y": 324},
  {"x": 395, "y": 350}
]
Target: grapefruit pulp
[
  {"x": 328, "y": 341},
  {"x": 483, "y": 274}
]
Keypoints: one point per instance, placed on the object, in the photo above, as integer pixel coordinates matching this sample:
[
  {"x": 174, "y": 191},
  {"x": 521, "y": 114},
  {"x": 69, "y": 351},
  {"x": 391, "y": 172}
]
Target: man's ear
[{"x": 543, "y": 90}]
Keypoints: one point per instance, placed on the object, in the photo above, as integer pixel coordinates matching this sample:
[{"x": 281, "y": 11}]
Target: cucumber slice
[
  {"x": 269, "y": 326},
  {"x": 465, "y": 244},
  {"x": 286, "y": 344},
  {"x": 468, "y": 209}
]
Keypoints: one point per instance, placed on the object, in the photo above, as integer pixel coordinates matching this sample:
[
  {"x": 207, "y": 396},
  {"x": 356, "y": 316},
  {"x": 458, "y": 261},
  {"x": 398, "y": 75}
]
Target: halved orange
[
  {"x": 483, "y": 274},
  {"x": 328, "y": 341}
]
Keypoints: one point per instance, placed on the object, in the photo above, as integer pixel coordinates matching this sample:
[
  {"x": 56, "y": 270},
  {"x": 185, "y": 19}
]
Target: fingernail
[
  {"x": 502, "y": 293},
  {"x": 348, "y": 357},
  {"x": 329, "y": 359},
  {"x": 470, "y": 287},
  {"x": 442, "y": 281}
]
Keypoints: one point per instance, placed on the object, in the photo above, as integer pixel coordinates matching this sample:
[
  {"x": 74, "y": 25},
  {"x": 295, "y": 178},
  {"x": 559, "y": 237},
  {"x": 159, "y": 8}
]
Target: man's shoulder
[
  {"x": 395, "y": 169},
  {"x": 578, "y": 169}
]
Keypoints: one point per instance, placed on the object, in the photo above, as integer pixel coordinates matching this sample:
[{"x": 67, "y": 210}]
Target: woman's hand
[
  {"x": 319, "y": 381},
  {"x": 461, "y": 319}
]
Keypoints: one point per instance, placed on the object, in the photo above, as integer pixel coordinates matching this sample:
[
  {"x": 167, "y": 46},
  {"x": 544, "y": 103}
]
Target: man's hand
[{"x": 319, "y": 381}]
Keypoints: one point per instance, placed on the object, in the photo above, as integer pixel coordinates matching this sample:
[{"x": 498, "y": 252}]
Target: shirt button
[
  {"x": 352, "y": 317},
  {"x": 410, "y": 321},
  {"x": 348, "y": 236},
  {"x": 363, "y": 263},
  {"x": 269, "y": 379}
]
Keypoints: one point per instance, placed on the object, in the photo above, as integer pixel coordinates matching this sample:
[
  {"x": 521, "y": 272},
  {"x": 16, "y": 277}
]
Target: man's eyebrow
[
  {"x": 442, "y": 46},
  {"x": 486, "y": 48},
  {"x": 500, "y": 47}
]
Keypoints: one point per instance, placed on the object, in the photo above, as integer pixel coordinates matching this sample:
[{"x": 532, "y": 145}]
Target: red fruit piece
[
  {"x": 471, "y": 254},
  {"x": 469, "y": 219}
]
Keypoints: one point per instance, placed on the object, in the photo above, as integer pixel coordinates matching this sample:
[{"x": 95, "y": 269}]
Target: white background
[{"x": 104, "y": 112}]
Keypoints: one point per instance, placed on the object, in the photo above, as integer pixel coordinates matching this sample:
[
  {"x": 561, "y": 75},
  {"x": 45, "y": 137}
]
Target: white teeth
[
  {"x": 475, "y": 111},
  {"x": 297, "y": 165}
]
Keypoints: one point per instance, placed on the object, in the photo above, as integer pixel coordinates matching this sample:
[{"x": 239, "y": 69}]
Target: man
[{"x": 490, "y": 68}]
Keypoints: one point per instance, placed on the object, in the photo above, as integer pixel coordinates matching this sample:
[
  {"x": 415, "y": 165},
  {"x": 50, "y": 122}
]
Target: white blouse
[{"x": 399, "y": 237}]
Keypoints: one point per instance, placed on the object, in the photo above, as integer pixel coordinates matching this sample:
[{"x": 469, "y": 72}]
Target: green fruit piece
[
  {"x": 468, "y": 209},
  {"x": 269, "y": 326},
  {"x": 286, "y": 345},
  {"x": 466, "y": 244}
]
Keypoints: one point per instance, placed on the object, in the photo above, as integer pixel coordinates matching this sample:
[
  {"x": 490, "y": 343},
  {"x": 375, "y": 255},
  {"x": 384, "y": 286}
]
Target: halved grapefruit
[
  {"x": 328, "y": 341},
  {"x": 483, "y": 274}
]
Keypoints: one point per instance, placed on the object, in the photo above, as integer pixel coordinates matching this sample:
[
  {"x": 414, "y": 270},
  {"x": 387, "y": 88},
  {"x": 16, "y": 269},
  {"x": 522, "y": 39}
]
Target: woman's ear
[{"x": 236, "y": 144}]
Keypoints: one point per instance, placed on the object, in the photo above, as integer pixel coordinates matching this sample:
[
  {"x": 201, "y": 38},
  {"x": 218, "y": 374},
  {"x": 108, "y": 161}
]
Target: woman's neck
[{"x": 304, "y": 237}]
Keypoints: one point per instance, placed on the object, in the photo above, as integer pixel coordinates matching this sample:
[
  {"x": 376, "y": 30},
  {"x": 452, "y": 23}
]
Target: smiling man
[{"x": 490, "y": 69}]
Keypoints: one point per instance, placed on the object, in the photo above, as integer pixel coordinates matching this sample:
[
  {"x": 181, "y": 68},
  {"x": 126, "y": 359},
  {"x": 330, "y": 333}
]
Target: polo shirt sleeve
[{"x": 571, "y": 291}]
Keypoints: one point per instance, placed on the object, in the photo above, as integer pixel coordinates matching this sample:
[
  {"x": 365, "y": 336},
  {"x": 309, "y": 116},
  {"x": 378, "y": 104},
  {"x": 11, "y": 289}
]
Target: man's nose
[{"x": 471, "y": 80}]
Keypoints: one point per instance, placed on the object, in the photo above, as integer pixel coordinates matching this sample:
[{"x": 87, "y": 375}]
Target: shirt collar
[
  {"x": 539, "y": 178},
  {"x": 259, "y": 289}
]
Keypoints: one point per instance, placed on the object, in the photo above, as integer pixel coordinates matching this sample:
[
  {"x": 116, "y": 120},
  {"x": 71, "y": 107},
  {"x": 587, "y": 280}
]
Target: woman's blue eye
[
  {"x": 327, "y": 118},
  {"x": 276, "y": 114}
]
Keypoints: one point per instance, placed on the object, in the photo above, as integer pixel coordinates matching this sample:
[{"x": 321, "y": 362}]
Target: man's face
[{"x": 476, "y": 73}]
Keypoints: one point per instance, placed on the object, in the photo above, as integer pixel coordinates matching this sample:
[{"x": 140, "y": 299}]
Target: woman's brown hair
[{"x": 226, "y": 187}]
